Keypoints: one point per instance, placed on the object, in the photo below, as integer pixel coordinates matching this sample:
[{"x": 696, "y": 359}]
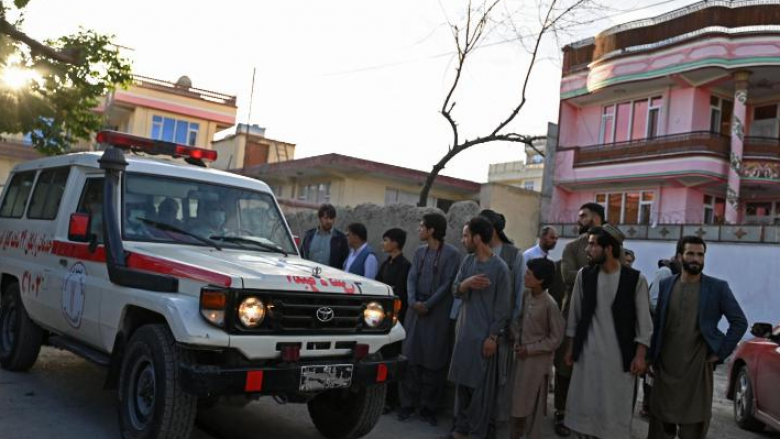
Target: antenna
[{"x": 251, "y": 99}]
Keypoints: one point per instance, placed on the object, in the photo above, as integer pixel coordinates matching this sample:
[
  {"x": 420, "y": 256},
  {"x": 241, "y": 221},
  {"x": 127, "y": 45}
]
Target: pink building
[{"x": 674, "y": 119}]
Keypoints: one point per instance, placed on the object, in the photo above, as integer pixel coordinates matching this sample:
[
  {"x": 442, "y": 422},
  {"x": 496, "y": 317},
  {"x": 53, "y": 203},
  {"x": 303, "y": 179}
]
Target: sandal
[{"x": 561, "y": 429}]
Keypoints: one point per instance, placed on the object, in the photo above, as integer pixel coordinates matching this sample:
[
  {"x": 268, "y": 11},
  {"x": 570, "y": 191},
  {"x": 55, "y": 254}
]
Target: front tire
[
  {"x": 348, "y": 413},
  {"x": 20, "y": 337},
  {"x": 152, "y": 403},
  {"x": 744, "y": 410}
]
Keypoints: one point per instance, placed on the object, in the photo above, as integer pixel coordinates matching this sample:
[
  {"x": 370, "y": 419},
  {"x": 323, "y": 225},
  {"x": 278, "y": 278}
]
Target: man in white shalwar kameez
[{"x": 608, "y": 333}]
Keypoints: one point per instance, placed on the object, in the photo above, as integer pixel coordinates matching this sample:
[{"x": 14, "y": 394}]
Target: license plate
[{"x": 332, "y": 376}]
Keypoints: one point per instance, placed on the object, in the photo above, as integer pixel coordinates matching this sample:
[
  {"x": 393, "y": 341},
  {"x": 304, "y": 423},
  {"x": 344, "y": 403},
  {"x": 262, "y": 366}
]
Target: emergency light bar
[{"x": 151, "y": 146}]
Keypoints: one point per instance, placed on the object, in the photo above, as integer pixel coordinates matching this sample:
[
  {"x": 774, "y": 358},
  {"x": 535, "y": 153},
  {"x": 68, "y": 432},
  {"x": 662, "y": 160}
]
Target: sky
[{"x": 364, "y": 78}]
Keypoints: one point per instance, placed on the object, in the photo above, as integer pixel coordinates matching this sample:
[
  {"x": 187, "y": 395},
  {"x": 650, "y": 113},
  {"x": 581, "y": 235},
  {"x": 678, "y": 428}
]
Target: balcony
[
  {"x": 675, "y": 145},
  {"x": 762, "y": 147},
  {"x": 693, "y": 22}
]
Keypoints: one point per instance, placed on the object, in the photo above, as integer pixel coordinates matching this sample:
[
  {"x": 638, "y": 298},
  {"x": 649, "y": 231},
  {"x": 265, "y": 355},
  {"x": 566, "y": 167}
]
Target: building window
[
  {"x": 714, "y": 209},
  {"x": 607, "y": 134},
  {"x": 529, "y": 185},
  {"x": 762, "y": 212},
  {"x": 765, "y": 121},
  {"x": 627, "y": 207},
  {"x": 653, "y": 115},
  {"x": 175, "y": 130},
  {"x": 277, "y": 190},
  {"x": 315, "y": 193},
  {"x": 721, "y": 111},
  {"x": 631, "y": 120},
  {"x": 397, "y": 196}
]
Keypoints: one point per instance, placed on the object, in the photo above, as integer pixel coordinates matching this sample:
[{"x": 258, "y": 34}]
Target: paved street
[{"x": 62, "y": 398}]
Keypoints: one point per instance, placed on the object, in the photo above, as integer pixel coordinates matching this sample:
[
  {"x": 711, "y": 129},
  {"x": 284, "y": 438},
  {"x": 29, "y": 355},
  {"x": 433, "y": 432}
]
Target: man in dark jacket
[
  {"x": 394, "y": 271},
  {"x": 687, "y": 345},
  {"x": 325, "y": 245}
]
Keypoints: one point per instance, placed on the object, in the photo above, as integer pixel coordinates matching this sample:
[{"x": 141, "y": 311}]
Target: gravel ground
[{"x": 62, "y": 397}]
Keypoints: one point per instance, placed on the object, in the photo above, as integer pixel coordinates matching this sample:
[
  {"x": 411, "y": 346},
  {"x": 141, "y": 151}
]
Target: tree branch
[
  {"x": 38, "y": 48},
  {"x": 470, "y": 40}
]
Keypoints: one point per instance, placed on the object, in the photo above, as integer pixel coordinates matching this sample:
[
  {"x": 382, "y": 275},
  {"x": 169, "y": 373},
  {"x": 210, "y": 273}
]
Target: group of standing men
[{"x": 496, "y": 321}]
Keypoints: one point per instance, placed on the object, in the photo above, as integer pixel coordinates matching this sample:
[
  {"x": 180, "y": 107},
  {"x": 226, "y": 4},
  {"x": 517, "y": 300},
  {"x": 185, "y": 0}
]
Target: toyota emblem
[{"x": 325, "y": 314}]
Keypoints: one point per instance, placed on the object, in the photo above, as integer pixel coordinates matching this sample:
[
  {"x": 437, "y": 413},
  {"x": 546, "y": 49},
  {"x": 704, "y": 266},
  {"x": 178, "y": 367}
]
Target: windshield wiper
[
  {"x": 240, "y": 240},
  {"x": 169, "y": 228}
]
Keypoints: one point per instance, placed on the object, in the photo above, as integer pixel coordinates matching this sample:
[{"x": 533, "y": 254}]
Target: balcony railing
[
  {"x": 197, "y": 93},
  {"x": 763, "y": 147},
  {"x": 698, "y": 142}
]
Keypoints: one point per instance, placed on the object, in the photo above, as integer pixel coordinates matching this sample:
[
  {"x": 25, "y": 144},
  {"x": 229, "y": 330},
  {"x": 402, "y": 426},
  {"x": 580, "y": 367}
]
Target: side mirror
[
  {"x": 761, "y": 330},
  {"x": 78, "y": 227}
]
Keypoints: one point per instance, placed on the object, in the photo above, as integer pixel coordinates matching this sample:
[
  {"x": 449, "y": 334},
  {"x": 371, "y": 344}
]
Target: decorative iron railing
[{"x": 697, "y": 142}]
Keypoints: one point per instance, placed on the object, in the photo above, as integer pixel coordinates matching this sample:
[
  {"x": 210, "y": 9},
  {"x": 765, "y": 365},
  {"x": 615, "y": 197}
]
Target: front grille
[
  {"x": 292, "y": 313},
  {"x": 305, "y": 313}
]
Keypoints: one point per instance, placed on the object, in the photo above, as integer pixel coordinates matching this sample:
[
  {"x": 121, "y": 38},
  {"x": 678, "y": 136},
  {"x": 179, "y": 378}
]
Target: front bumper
[{"x": 283, "y": 378}]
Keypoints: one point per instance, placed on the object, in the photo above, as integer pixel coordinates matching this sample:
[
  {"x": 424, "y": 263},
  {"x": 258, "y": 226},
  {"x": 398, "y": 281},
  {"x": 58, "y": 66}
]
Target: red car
[{"x": 754, "y": 380}]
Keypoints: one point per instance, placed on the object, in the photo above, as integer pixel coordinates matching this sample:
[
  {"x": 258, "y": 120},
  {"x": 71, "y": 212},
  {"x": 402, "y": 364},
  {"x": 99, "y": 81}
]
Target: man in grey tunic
[
  {"x": 506, "y": 250},
  {"x": 484, "y": 285},
  {"x": 427, "y": 324},
  {"x": 608, "y": 333}
]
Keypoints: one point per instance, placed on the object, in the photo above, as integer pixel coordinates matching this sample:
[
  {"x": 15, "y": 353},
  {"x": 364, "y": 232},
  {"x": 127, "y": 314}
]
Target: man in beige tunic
[
  {"x": 541, "y": 334},
  {"x": 608, "y": 333}
]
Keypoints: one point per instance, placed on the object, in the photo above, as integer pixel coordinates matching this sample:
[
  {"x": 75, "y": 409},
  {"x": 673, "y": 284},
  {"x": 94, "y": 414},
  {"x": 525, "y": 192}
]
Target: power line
[{"x": 495, "y": 43}]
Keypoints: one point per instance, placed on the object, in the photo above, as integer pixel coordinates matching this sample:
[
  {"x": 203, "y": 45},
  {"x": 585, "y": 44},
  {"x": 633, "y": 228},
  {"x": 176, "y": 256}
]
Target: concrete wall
[
  {"x": 378, "y": 219},
  {"x": 748, "y": 274},
  {"x": 354, "y": 190}
]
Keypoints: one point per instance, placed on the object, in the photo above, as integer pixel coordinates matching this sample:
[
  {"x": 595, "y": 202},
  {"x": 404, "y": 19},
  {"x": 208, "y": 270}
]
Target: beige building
[
  {"x": 527, "y": 174},
  {"x": 171, "y": 111},
  {"x": 177, "y": 112},
  {"x": 349, "y": 181},
  {"x": 248, "y": 146},
  {"x": 13, "y": 152}
]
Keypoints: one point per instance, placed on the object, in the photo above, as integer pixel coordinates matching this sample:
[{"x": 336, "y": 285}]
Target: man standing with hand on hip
[{"x": 687, "y": 345}]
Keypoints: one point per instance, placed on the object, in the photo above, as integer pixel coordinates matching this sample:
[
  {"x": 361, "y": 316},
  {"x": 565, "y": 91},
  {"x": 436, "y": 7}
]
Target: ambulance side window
[
  {"x": 17, "y": 194},
  {"x": 91, "y": 202},
  {"x": 47, "y": 194}
]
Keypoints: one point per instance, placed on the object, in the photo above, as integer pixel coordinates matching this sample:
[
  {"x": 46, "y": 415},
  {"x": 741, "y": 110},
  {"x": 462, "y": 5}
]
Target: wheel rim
[
  {"x": 8, "y": 329},
  {"x": 142, "y": 393},
  {"x": 740, "y": 398}
]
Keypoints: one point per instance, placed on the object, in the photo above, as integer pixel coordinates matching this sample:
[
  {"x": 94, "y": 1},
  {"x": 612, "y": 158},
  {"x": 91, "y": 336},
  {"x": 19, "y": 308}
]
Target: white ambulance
[{"x": 186, "y": 283}]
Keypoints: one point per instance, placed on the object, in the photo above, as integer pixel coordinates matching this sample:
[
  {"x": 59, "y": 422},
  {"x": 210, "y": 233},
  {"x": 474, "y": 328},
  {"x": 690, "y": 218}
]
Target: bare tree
[{"x": 555, "y": 16}]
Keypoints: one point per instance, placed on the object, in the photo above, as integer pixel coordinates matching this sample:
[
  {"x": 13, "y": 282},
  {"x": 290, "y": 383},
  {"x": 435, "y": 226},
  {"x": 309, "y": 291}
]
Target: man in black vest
[
  {"x": 574, "y": 258},
  {"x": 608, "y": 333}
]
